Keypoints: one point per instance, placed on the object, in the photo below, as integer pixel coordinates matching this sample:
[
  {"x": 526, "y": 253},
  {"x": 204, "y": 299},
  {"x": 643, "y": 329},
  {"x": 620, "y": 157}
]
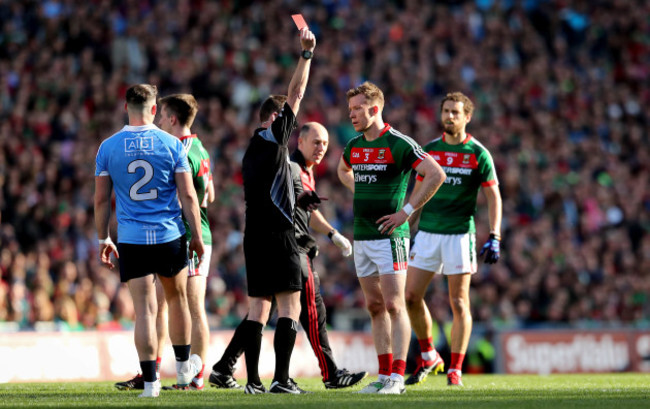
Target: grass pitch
[{"x": 617, "y": 391}]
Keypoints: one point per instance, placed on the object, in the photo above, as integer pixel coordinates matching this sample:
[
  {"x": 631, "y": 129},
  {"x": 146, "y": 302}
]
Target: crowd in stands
[{"x": 562, "y": 90}]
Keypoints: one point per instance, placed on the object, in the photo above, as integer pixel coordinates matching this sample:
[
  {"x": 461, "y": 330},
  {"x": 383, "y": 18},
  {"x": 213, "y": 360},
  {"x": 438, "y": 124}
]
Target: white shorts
[
  {"x": 204, "y": 268},
  {"x": 447, "y": 253},
  {"x": 385, "y": 256}
]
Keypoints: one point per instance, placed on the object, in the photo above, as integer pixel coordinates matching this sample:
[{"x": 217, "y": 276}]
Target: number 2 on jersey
[{"x": 146, "y": 178}]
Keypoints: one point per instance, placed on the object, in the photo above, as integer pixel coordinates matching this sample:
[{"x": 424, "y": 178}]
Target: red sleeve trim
[
  {"x": 419, "y": 177},
  {"x": 492, "y": 182},
  {"x": 417, "y": 162}
]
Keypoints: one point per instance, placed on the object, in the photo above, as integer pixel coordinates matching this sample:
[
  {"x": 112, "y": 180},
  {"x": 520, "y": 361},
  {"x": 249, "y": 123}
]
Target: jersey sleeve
[
  {"x": 413, "y": 153},
  {"x": 487, "y": 170},
  {"x": 295, "y": 178},
  {"x": 346, "y": 154},
  {"x": 182, "y": 164},
  {"x": 284, "y": 125},
  {"x": 101, "y": 163}
]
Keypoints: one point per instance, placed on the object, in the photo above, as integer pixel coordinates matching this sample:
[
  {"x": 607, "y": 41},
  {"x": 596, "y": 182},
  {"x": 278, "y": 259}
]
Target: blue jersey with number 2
[{"x": 141, "y": 161}]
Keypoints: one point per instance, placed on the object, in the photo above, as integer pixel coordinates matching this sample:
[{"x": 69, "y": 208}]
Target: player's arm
[
  {"x": 432, "y": 178},
  {"x": 210, "y": 190},
  {"x": 346, "y": 174},
  {"x": 495, "y": 206},
  {"x": 103, "y": 189},
  {"x": 414, "y": 219},
  {"x": 298, "y": 82},
  {"x": 190, "y": 206},
  {"x": 492, "y": 247}
]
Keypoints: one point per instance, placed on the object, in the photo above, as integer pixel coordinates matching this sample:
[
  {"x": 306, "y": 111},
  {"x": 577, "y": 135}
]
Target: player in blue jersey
[{"x": 149, "y": 171}]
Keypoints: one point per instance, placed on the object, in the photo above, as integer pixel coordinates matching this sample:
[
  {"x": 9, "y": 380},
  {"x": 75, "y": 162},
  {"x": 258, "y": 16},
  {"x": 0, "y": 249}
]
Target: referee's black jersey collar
[{"x": 298, "y": 157}]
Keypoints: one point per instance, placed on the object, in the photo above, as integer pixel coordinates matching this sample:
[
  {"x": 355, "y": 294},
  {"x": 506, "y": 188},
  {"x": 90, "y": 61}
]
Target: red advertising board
[{"x": 546, "y": 352}]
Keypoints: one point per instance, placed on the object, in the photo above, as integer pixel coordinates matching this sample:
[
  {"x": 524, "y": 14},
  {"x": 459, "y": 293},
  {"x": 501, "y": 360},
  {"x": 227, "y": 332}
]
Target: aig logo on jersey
[{"x": 138, "y": 145}]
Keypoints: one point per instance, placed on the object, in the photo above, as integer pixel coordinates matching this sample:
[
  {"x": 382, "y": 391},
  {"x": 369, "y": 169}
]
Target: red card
[{"x": 300, "y": 21}]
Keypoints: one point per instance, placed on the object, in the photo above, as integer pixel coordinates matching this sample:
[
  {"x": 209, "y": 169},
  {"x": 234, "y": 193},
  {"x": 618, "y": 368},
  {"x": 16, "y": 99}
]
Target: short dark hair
[
  {"x": 182, "y": 106},
  {"x": 468, "y": 106},
  {"x": 272, "y": 105},
  {"x": 138, "y": 95},
  {"x": 373, "y": 94}
]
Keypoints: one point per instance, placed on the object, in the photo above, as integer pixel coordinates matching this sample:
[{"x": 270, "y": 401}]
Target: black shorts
[
  {"x": 139, "y": 260},
  {"x": 272, "y": 262}
]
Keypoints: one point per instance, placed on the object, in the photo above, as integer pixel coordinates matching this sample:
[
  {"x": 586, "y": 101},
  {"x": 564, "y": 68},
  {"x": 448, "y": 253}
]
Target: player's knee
[
  {"x": 460, "y": 306},
  {"x": 375, "y": 307},
  {"x": 394, "y": 307},
  {"x": 413, "y": 300}
]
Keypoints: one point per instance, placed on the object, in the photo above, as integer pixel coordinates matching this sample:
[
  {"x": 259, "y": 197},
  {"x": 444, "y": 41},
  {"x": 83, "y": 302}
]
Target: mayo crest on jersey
[
  {"x": 141, "y": 162},
  {"x": 382, "y": 168},
  {"x": 468, "y": 166}
]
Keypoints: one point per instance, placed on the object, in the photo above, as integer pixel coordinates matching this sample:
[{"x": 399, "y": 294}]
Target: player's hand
[
  {"x": 343, "y": 243},
  {"x": 105, "y": 250},
  {"x": 388, "y": 224},
  {"x": 309, "y": 200},
  {"x": 196, "y": 246},
  {"x": 307, "y": 39},
  {"x": 491, "y": 249}
]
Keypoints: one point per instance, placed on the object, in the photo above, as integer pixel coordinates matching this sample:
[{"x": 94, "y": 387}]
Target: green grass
[{"x": 616, "y": 391}]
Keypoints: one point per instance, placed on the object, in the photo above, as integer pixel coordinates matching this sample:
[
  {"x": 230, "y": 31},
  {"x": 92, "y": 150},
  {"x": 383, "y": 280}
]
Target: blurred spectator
[{"x": 561, "y": 89}]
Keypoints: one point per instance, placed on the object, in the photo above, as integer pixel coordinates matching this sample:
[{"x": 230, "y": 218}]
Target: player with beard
[{"x": 445, "y": 242}]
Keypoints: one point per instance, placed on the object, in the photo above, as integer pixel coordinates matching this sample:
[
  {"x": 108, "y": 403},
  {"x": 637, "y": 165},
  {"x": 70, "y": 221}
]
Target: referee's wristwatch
[{"x": 306, "y": 54}]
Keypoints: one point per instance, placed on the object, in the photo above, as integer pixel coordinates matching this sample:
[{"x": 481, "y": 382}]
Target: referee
[
  {"x": 313, "y": 141},
  {"x": 270, "y": 248}
]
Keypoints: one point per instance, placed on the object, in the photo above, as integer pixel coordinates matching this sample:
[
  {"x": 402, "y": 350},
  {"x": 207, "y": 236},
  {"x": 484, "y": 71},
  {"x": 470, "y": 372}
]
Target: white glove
[{"x": 341, "y": 242}]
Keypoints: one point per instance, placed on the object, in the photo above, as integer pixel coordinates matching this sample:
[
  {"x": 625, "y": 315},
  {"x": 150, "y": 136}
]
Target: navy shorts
[
  {"x": 139, "y": 260},
  {"x": 272, "y": 262}
]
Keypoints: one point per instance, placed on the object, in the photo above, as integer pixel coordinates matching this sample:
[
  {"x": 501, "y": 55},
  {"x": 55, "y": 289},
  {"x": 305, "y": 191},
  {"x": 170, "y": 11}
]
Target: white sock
[
  {"x": 429, "y": 355},
  {"x": 397, "y": 377},
  {"x": 182, "y": 366}
]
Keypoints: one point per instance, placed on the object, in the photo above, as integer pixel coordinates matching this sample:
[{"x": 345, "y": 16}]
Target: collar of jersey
[
  {"x": 383, "y": 131},
  {"x": 130, "y": 128},
  {"x": 469, "y": 136},
  {"x": 188, "y": 137}
]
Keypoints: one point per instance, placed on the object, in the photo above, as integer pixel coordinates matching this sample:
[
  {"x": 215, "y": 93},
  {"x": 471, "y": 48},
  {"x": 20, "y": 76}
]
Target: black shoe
[
  {"x": 137, "y": 382},
  {"x": 176, "y": 387},
  {"x": 423, "y": 370},
  {"x": 290, "y": 387},
  {"x": 220, "y": 380},
  {"x": 344, "y": 378},
  {"x": 252, "y": 389}
]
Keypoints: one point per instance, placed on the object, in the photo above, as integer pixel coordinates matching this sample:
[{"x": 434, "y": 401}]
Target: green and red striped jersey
[
  {"x": 468, "y": 166},
  {"x": 201, "y": 176},
  {"x": 381, "y": 174}
]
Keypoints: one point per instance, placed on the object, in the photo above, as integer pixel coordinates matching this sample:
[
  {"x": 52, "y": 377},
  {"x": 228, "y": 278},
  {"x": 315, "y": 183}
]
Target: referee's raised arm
[{"x": 298, "y": 82}]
